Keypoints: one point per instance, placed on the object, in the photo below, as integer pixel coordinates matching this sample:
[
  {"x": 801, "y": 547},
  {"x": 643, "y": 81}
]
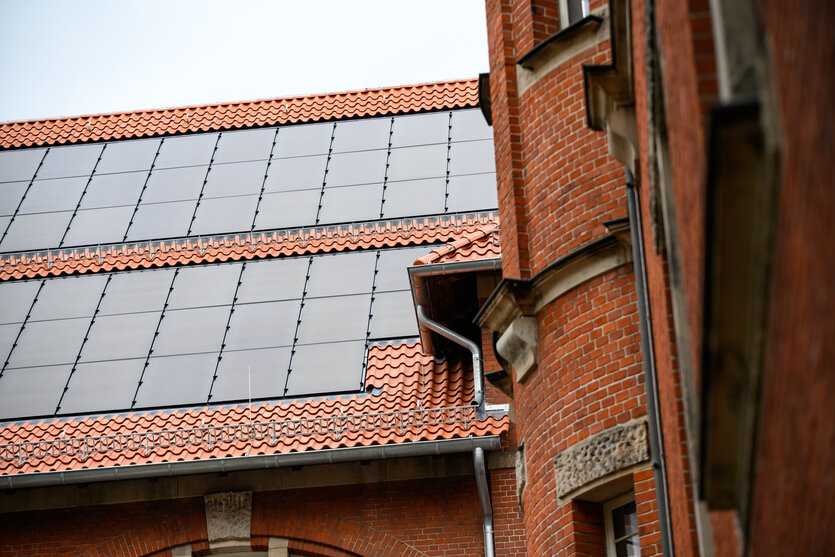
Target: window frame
[
  {"x": 608, "y": 525},
  {"x": 564, "y": 21}
]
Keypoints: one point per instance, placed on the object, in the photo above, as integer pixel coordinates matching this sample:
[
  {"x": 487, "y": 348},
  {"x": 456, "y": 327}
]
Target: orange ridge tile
[
  {"x": 482, "y": 243},
  {"x": 146, "y": 255},
  {"x": 237, "y": 115},
  {"x": 407, "y": 379}
]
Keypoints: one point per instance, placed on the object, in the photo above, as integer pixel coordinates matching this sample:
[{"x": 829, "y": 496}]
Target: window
[
  {"x": 572, "y": 11},
  {"x": 621, "y": 523}
]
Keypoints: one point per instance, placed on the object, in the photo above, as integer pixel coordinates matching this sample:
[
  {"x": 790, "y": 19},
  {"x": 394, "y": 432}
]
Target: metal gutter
[
  {"x": 475, "y": 349},
  {"x": 240, "y": 463},
  {"x": 656, "y": 441},
  {"x": 484, "y": 498}
]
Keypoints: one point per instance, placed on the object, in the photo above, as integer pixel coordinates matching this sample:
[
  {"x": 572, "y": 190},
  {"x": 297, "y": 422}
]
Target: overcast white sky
[{"x": 66, "y": 58}]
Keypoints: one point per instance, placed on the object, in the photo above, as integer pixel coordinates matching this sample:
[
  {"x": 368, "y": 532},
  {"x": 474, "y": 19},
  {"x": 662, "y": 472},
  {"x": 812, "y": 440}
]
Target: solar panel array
[{"x": 230, "y": 332}]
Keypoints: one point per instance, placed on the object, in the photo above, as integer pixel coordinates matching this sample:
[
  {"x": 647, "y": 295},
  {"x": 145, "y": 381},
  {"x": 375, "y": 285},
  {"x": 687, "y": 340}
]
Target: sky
[{"x": 67, "y": 58}]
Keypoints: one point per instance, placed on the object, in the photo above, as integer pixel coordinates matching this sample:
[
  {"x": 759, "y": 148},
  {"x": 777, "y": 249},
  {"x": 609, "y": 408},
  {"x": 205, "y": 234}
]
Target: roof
[
  {"x": 400, "y": 381},
  {"x": 247, "y": 114}
]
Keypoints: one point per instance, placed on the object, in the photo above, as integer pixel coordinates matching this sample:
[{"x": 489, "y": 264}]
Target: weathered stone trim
[
  {"x": 603, "y": 454},
  {"x": 228, "y": 518}
]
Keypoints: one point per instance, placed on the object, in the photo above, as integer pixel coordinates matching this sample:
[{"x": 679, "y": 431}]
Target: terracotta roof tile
[
  {"x": 145, "y": 255},
  {"x": 482, "y": 243},
  {"x": 247, "y": 114},
  {"x": 430, "y": 398}
]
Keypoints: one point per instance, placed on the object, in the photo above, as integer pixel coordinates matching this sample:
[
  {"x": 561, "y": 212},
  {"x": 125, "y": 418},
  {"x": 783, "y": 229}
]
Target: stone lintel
[{"x": 228, "y": 519}]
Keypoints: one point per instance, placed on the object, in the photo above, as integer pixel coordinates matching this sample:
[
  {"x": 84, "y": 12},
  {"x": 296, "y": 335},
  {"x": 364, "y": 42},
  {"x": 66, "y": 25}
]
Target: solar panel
[
  {"x": 16, "y": 300},
  {"x": 225, "y": 215},
  {"x": 393, "y": 315},
  {"x": 300, "y": 173},
  {"x": 102, "y": 386},
  {"x": 98, "y": 226},
  {"x": 468, "y": 125},
  {"x": 45, "y": 343},
  {"x": 74, "y": 296},
  {"x": 363, "y": 167},
  {"x": 288, "y": 209},
  {"x": 237, "y": 178},
  {"x": 361, "y": 135},
  {"x": 334, "y": 319},
  {"x": 472, "y": 193},
  {"x": 186, "y": 331},
  {"x": 246, "y": 145},
  {"x": 38, "y": 231},
  {"x": 391, "y": 268},
  {"x": 471, "y": 157},
  {"x": 10, "y": 195},
  {"x": 263, "y": 325},
  {"x": 351, "y": 203},
  {"x": 258, "y": 373},
  {"x": 161, "y": 220},
  {"x": 204, "y": 285},
  {"x": 31, "y": 392},
  {"x": 128, "y": 156},
  {"x": 414, "y": 197},
  {"x": 19, "y": 164},
  {"x": 71, "y": 160},
  {"x": 420, "y": 129},
  {"x": 273, "y": 279},
  {"x": 115, "y": 337},
  {"x": 176, "y": 380},
  {"x": 8, "y": 334},
  {"x": 334, "y": 370},
  {"x": 112, "y": 190},
  {"x": 174, "y": 184},
  {"x": 308, "y": 139},
  {"x": 61, "y": 194},
  {"x": 186, "y": 150},
  {"x": 136, "y": 291},
  {"x": 340, "y": 274},
  {"x": 411, "y": 163}
]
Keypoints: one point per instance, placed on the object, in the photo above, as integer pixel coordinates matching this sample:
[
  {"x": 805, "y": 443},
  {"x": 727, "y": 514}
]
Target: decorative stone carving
[
  {"x": 602, "y": 454},
  {"x": 229, "y": 516},
  {"x": 521, "y": 476},
  {"x": 517, "y": 345}
]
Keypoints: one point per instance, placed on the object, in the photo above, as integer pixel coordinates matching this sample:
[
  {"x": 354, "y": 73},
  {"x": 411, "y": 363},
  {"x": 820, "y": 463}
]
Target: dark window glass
[
  {"x": 174, "y": 184},
  {"x": 361, "y": 135},
  {"x": 120, "y": 336},
  {"x": 356, "y": 168},
  {"x": 128, "y": 156},
  {"x": 276, "y": 279},
  {"x": 394, "y": 315},
  {"x": 98, "y": 226},
  {"x": 246, "y": 145},
  {"x": 186, "y": 150},
  {"x": 49, "y": 342},
  {"x": 251, "y": 373},
  {"x": 53, "y": 195},
  {"x": 471, "y": 157},
  {"x": 288, "y": 209},
  {"x": 225, "y": 215},
  {"x": 391, "y": 268},
  {"x": 32, "y": 392},
  {"x": 136, "y": 291},
  {"x": 472, "y": 193},
  {"x": 112, "y": 190},
  {"x": 414, "y": 197},
  {"x": 351, "y": 203},
  {"x": 19, "y": 164},
  {"x": 73, "y": 296},
  {"x": 332, "y": 369},
  {"x": 102, "y": 386},
  {"x": 334, "y": 319},
  {"x": 184, "y": 331},
  {"x": 411, "y": 163},
  {"x": 468, "y": 125},
  {"x": 29, "y": 232},
  {"x": 239, "y": 178},
  {"x": 205, "y": 285},
  {"x": 342, "y": 273},
  {"x": 177, "y": 381},
  {"x": 305, "y": 139},
  {"x": 72, "y": 160},
  {"x": 16, "y": 300},
  {"x": 576, "y": 10},
  {"x": 161, "y": 220},
  {"x": 300, "y": 173},
  {"x": 263, "y": 325},
  {"x": 10, "y": 195},
  {"x": 420, "y": 129}
]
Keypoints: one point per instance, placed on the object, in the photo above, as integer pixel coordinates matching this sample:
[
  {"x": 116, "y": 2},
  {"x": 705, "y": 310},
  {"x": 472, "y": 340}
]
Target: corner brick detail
[{"x": 602, "y": 454}]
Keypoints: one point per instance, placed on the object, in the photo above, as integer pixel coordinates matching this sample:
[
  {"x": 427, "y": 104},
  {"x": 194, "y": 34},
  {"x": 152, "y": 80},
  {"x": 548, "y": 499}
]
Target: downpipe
[
  {"x": 478, "y": 378},
  {"x": 484, "y": 499}
]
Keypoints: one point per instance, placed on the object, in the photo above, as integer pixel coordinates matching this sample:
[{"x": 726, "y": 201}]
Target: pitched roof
[
  {"x": 247, "y": 114},
  {"x": 433, "y": 399},
  {"x": 482, "y": 243}
]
